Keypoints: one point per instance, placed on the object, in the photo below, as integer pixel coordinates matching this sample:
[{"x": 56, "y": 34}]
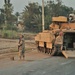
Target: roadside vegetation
[
  {"x": 30, "y": 17},
  {"x": 8, "y": 34},
  {"x": 12, "y": 34}
]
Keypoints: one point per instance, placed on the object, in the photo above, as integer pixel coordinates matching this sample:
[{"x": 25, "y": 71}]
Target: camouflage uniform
[
  {"x": 59, "y": 42},
  {"x": 21, "y": 48}
]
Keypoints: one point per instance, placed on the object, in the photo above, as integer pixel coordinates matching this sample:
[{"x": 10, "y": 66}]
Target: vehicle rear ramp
[{"x": 69, "y": 54}]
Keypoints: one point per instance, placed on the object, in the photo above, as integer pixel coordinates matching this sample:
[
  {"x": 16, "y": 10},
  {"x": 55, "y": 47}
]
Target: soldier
[
  {"x": 72, "y": 18},
  {"x": 21, "y": 47},
  {"x": 59, "y": 41}
]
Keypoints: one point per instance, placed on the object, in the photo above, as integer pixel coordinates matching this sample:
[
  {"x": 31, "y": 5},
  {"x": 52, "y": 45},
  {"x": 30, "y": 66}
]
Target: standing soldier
[
  {"x": 59, "y": 41},
  {"x": 21, "y": 47}
]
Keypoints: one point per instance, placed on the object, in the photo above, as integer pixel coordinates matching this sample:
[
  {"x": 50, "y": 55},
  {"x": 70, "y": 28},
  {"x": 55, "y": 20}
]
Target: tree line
[{"x": 32, "y": 14}]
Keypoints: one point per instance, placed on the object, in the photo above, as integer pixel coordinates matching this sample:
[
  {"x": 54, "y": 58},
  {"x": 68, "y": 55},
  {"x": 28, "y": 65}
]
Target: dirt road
[
  {"x": 42, "y": 65},
  {"x": 7, "y": 50},
  {"x": 35, "y": 63},
  {"x": 10, "y": 45}
]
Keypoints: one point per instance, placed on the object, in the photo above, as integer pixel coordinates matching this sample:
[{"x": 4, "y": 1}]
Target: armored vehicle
[{"x": 45, "y": 41}]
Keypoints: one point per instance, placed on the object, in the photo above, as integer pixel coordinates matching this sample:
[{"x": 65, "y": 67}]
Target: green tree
[
  {"x": 55, "y": 9},
  {"x": 2, "y": 16},
  {"x": 7, "y": 18},
  {"x": 32, "y": 16},
  {"x": 17, "y": 14},
  {"x": 8, "y": 9}
]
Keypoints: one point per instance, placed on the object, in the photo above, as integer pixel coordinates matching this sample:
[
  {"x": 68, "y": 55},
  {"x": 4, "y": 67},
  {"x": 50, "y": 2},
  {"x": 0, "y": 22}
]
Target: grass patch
[
  {"x": 11, "y": 34},
  {"x": 8, "y": 34}
]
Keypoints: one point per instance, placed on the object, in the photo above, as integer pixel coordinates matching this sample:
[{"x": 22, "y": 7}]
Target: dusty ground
[
  {"x": 30, "y": 56},
  {"x": 35, "y": 63},
  {"x": 9, "y": 45},
  {"x": 8, "y": 48}
]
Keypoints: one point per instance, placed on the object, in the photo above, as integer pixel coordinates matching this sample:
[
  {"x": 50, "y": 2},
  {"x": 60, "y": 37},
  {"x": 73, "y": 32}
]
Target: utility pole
[{"x": 43, "y": 15}]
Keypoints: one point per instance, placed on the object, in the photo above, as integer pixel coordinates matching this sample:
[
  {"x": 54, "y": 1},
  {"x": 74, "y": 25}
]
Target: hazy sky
[{"x": 20, "y": 4}]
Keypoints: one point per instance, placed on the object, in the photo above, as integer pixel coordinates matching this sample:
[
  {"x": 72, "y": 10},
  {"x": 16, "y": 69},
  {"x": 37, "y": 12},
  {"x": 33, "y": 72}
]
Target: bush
[
  {"x": 9, "y": 34},
  {"x": 11, "y": 27},
  {"x": 5, "y": 35}
]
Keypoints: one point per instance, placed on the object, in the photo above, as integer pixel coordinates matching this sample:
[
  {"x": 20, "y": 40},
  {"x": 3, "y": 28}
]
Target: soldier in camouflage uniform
[
  {"x": 21, "y": 47},
  {"x": 59, "y": 41}
]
